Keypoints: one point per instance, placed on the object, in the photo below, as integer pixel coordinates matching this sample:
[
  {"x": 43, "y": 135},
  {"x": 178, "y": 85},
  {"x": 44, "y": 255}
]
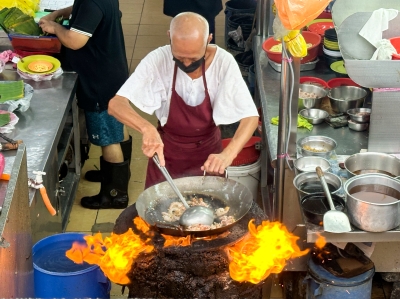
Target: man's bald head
[{"x": 189, "y": 26}]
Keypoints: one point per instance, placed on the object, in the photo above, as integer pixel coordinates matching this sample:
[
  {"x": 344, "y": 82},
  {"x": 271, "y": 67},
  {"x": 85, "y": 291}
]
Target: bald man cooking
[{"x": 192, "y": 87}]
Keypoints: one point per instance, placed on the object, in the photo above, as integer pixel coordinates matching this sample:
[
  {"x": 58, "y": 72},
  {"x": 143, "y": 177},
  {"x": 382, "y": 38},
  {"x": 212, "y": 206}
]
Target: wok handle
[{"x": 170, "y": 181}]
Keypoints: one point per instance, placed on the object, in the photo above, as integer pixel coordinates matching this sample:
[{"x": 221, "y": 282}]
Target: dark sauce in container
[{"x": 314, "y": 187}]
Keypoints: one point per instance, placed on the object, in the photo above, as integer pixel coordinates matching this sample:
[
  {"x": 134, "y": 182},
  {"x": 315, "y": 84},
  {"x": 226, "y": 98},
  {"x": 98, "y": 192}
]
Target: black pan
[{"x": 218, "y": 192}]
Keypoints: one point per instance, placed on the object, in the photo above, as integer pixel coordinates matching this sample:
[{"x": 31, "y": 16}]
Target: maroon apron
[{"x": 189, "y": 136}]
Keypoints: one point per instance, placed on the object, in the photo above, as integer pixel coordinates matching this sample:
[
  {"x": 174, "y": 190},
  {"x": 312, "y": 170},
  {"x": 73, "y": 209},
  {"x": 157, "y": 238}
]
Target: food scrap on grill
[{"x": 176, "y": 210}]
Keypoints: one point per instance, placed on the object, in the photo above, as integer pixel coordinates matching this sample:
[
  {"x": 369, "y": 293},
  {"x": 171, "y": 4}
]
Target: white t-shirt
[{"x": 149, "y": 88}]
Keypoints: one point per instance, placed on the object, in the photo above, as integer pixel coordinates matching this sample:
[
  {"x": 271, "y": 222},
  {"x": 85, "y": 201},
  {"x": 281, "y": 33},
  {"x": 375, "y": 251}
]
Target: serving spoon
[{"x": 192, "y": 215}]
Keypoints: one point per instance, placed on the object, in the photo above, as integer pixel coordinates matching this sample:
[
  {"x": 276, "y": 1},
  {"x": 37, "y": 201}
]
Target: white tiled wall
[{"x": 54, "y": 4}]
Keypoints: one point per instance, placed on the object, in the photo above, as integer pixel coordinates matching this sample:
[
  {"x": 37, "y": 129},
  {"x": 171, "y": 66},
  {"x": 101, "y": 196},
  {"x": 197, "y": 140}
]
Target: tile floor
[{"x": 145, "y": 28}]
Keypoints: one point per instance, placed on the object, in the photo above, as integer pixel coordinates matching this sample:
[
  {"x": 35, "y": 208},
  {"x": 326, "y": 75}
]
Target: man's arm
[
  {"x": 217, "y": 163},
  {"x": 121, "y": 109}
]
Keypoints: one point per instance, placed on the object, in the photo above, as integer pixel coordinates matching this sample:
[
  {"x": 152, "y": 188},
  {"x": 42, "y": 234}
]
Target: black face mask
[{"x": 191, "y": 67}]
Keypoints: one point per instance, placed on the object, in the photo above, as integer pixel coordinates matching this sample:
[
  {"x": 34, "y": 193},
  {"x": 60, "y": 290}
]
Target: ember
[{"x": 263, "y": 252}]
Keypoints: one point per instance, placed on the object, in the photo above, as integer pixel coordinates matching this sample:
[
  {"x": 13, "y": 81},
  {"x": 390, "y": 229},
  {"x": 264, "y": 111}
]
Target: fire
[
  {"x": 177, "y": 241},
  {"x": 115, "y": 254},
  {"x": 263, "y": 252},
  {"x": 321, "y": 241}
]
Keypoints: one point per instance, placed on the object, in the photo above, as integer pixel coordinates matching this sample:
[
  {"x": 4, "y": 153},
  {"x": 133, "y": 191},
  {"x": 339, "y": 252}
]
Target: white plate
[{"x": 332, "y": 53}]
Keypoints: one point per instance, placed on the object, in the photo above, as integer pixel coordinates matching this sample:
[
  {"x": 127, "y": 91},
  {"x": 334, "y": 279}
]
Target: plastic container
[
  {"x": 395, "y": 41},
  {"x": 43, "y": 44},
  {"x": 249, "y": 154},
  {"x": 234, "y": 7},
  {"x": 248, "y": 175},
  {"x": 312, "y": 52},
  {"x": 323, "y": 285},
  {"x": 56, "y": 276},
  {"x": 314, "y": 81},
  {"x": 335, "y": 82}
]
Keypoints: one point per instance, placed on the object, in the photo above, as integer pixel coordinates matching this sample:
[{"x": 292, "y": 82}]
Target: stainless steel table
[
  {"x": 47, "y": 129},
  {"x": 386, "y": 253}
]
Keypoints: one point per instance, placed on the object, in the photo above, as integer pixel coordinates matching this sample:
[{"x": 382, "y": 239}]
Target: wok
[{"x": 218, "y": 192}]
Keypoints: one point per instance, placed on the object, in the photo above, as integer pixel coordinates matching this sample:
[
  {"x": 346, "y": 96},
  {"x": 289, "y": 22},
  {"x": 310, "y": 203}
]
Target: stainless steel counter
[
  {"x": 268, "y": 80},
  {"x": 386, "y": 253},
  {"x": 47, "y": 129}
]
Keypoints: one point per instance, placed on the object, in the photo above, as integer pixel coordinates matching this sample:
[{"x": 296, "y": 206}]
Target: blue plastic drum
[{"x": 56, "y": 276}]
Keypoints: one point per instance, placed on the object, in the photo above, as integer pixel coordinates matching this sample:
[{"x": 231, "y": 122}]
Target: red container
[
  {"x": 395, "y": 41},
  {"x": 249, "y": 154},
  {"x": 336, "y": 82},
  {"x": 43, "y": 44},
  {"x": 313, "y": 80},
  {"x": 309, "y": 37}
]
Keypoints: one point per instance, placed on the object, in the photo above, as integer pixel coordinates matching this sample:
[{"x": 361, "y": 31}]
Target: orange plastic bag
[{"x": 295, "y": 14}]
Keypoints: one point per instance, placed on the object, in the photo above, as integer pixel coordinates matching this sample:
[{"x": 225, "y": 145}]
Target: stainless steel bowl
[
  {"x": 314, "y": 116},
  {"x": 308, "y": 164},
  {"x": 320, "y": 146},
  {"x": 311, "y": 102},
  {"x": 355, "y": 126},
  {"x": 314, "y": 183},
  {"x": 343, "y": 98},
  {"x": 372, "y": 162},
  {"x": 366, "y": 204},
  {"x": 360, "y": 115}
]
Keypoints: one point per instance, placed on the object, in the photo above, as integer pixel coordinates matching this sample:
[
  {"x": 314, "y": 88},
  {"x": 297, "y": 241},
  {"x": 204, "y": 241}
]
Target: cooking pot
[
  {"x": 371, "y": 162},
  {"x": 373, "y": 202},
  {"x": 218, "y": 192}
]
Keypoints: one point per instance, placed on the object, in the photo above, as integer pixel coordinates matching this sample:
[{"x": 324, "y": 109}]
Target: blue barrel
[
  {"x": 323, "y": 285},
  {"x": 56, "y": 276}
]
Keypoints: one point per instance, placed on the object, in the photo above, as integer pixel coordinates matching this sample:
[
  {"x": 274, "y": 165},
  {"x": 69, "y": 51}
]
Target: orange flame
[
  {"x": 115, "y": 255},
  {"x": 263, "y": 252},
  {"x": 177, "y": 241},
  {"x": 321, "y": 241}
]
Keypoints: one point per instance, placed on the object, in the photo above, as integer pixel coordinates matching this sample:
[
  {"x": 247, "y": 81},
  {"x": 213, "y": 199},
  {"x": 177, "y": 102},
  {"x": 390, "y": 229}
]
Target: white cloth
[
  {"x": 372, "y": 32},
  {"x": 149, "y": 88}
]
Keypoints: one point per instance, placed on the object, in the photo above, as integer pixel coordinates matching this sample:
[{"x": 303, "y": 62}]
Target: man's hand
[
  {"x": 152, "y": 143},
  {"x": 48, "y": 26},
  {"x": 217, "y": 163}
]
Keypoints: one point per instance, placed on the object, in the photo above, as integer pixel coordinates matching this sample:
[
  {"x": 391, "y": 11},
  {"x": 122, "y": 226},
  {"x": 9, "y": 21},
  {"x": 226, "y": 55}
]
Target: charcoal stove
[{"x": 200, "y": 270}]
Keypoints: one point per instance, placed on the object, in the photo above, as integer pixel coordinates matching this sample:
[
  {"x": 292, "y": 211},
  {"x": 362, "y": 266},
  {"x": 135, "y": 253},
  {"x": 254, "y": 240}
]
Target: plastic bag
[
  {"x": 37, "y": 77},
  {"x": 293, "y": 39},
  {"x": 295, "y": 14},
  {"x": 11, "y": 125},
  {"x": 384, "y": 51},
  {"x": 21, "y": 104},
  {"x": 28, "y": 7}
]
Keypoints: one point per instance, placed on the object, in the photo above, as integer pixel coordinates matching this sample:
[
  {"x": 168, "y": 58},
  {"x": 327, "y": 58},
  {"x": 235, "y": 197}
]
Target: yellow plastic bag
[
  {"x": 28, "y": 7},
  {"x": 295, "y": 14},
  {"x": 296, "y": 44}
]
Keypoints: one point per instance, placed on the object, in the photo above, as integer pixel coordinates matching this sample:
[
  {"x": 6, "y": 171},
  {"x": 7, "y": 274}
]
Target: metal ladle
[{"x": 192, "y": 215}]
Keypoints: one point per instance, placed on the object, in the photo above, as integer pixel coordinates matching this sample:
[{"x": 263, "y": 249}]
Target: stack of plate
[
  {"x": 331, "y": 47},
  {"x": 319, "y": 26},
  {"x": 38, "y": 66}
]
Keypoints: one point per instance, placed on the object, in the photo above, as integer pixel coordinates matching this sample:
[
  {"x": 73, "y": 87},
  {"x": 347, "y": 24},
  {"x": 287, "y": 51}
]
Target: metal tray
[{"x": 303, "y": 67}]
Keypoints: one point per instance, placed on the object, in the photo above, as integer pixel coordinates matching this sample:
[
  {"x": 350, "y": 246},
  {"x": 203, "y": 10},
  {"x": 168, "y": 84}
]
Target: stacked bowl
[
  {"x": 331, "y": 47},
  {"x": 319, "y": 26}
]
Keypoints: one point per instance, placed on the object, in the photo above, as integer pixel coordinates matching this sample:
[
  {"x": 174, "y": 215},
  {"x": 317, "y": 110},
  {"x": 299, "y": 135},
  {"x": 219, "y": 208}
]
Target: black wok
[{"x": 218, "y": 192}]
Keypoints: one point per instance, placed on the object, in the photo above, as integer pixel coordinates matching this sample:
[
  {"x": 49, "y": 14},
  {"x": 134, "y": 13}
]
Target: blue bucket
[
  {"x": 56, "y": 276},
  {"x": 323, "y": 285}
]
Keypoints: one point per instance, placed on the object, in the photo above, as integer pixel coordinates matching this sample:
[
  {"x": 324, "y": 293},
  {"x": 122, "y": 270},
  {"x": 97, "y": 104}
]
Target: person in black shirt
[
  {"x": 95, "y": 49},
  {"x": 208, "y": 9}
]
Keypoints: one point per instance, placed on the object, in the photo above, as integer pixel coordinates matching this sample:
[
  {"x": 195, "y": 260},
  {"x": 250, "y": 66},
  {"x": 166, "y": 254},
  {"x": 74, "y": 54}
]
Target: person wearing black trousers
[{"x": 209, "y": 9}]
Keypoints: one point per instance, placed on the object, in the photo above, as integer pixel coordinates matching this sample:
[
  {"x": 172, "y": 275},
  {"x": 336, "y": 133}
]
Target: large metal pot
[
  {"x": 217, "y": 192},
  {"x": 371, "y": 162},
  {"x": 369, "y": 213}
]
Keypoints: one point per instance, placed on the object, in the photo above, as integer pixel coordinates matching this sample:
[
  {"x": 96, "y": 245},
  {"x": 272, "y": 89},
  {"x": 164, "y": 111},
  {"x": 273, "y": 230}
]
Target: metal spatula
[{"x": 334, "y": 221}]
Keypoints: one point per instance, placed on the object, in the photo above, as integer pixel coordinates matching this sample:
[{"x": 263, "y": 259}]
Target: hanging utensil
[
  {"x": 192, "y": 215},
  {"x": 334, "y": 221}
]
